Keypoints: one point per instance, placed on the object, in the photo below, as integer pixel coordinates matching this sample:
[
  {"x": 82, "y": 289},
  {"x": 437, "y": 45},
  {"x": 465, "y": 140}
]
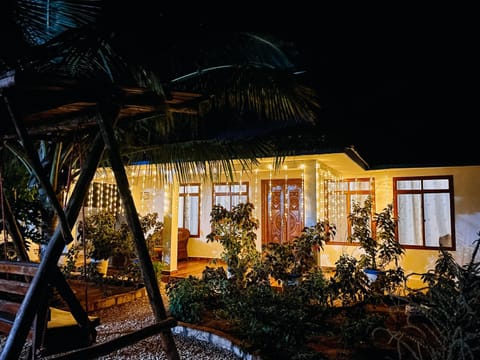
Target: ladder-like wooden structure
[{"x": 38, "y": 106}]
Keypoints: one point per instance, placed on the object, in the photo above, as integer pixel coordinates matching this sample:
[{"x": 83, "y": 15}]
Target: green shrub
[{"x": 187, "y": 298}]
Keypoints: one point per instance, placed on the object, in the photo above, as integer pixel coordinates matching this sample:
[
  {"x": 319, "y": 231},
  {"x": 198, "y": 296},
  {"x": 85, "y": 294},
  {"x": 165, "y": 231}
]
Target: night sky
[{"x": 397, "y": 83}]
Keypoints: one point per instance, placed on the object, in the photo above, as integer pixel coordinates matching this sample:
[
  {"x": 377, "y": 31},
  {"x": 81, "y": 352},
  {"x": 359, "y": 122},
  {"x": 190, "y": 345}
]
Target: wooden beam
[
  {"x": 18, "y": 334},
  {"x": 151, "y": 282},
  {"x": 13, "y": 228},
  {"x": 94, "y": 351},
  {"x": 78, "y": 312}
]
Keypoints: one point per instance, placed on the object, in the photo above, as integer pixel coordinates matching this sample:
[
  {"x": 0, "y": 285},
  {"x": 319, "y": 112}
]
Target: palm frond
[
  {"x": 208, "y": 159},
  {"x": 270, "y": 94},
  {"x": 42, "y": 20},
  {"x": 80, "y": 53}
]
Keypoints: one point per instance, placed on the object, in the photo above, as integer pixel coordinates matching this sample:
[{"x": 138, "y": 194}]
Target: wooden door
[{"x": 282, "y": 210}]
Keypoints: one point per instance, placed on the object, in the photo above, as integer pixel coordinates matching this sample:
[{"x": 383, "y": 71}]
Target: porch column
[
  {"x": 309, "y": 193},
  {"x": 170, "y": 229}
]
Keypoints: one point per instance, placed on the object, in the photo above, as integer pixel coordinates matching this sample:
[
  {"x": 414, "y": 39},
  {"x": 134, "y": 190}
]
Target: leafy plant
[
  {"x": 297, "y": 258},
  {"x": 382, "y": 251},
  {"x": 449, "y": 310},
  {"x": 272, "y": 321},
  {"x": 235, "y": 230},
  {"x": 349, "y": 283},
  {"x": 380, "y": 245},
  {"x": 187, "y": 298},
  {"x": 102, "y": 235}
]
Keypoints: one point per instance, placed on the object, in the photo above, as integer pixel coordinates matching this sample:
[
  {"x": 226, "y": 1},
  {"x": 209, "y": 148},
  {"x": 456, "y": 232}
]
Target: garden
[{"x": 281, "y": 305}]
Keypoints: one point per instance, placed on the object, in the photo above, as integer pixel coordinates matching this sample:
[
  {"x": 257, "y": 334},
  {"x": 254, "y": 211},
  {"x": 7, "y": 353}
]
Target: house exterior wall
[{"x": 466, "y": 185}]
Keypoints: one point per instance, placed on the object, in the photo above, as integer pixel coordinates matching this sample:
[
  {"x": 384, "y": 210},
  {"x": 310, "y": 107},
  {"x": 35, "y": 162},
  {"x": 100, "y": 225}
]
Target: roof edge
[{"x": 355, "y": 156}]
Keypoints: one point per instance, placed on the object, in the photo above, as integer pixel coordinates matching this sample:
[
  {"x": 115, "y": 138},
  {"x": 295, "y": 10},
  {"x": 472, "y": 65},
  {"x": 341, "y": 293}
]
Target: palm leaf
[
  {"x": 42, "y": 20},
  {"x": 270, "y": 94}
]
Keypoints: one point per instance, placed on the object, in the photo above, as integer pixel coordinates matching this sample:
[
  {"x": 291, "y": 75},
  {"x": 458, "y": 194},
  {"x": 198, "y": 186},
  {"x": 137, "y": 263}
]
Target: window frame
[
  {"x": 422, "y": 192},
  {"x": 230, "y": 193},
  {"x": 190, "y": 194},
  {"x": 348, "y": 204}
]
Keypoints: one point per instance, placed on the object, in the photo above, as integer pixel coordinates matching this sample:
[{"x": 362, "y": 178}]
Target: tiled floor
[{"x": 194, "y": 267}]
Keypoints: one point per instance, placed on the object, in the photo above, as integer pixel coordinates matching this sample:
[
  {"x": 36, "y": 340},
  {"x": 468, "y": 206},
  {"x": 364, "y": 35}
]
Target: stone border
[{"x": 214, "y": 337}]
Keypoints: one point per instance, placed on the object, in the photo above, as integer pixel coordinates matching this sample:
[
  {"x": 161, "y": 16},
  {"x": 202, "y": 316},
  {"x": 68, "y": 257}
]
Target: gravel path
[
  {"x": 120, "y": 319},
  {"x": 136, "y": 314}
]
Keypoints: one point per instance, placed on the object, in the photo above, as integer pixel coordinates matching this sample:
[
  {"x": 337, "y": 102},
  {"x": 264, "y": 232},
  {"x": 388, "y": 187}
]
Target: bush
[{"x": 187, "y": 298}]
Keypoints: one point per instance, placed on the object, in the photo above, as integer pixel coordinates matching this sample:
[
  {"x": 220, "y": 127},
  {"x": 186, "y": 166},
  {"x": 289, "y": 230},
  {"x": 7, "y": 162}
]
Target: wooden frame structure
[{"x": 38, "y": 107}]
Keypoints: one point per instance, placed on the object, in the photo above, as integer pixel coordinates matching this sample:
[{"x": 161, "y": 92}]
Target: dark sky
[
  {"x": 399, "y": 94},
  {"x": 397, "y": 83}
]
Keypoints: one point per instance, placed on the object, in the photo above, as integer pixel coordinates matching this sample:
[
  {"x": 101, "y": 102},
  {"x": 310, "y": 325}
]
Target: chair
[{"x": 183, "y": 236}]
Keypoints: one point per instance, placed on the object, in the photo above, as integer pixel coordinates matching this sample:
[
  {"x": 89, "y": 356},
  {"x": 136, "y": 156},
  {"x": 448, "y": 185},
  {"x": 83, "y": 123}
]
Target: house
[{"x": 436, "y": 206}]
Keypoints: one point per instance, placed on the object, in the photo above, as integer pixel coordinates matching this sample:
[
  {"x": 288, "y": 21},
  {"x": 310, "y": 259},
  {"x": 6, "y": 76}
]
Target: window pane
[
  {"x": 223, "y": 201},
  {"x": 192, "y": 189},
  {"x": 181, "y": 211},
  {"x": 409, "y": 184},
  {"x": 360, "y": 185},
  {"x": 222, "y": 188},
  {"x": 435, "y": 184},
  {"x": 410, "y": 219},
  {"x": 193, "y": 215},
  {"x": 337, "y": 215},
  {"x": 337, "y": 186},
  {"x": 437, "y": 220}
]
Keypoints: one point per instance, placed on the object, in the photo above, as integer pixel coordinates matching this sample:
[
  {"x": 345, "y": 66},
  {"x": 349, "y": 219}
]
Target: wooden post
[
  {"x": 18, "y": 334},
  {"x": 151, "y": 283},
  {"x": 12, "y": 224}
]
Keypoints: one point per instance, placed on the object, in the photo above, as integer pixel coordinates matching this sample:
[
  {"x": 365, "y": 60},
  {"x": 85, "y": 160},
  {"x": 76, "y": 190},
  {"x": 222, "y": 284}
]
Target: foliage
[
  {"x": 102, "y": 235},
  {"x": 449, "y": 310},
  {"x": 187, "y": 298},
  {"x": 272, "y": 321},
  {"x": 235, "y": 230},
  {"x": 296, "y": 258},
  {"x": 382, "y": 251},
  {"x": 349, "y": 284},
  {"x": 28, "y": 211},
  {"x": 380, "y": 245},
  {"x": 269, "y": 320},
  {"x": 358, "y": 328},
  {"x": 152, "y": 229}
]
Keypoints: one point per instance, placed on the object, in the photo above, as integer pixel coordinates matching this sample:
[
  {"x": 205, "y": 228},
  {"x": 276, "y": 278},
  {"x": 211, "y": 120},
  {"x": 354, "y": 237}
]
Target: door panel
[{"x": 282, "y": 210}]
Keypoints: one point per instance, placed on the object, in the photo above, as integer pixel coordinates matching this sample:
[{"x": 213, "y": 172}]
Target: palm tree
[{"x": 250, "y": 84}]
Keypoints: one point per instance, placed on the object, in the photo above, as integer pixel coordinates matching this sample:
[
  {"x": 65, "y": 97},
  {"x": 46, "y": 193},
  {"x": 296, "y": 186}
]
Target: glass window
[
  {"x": 189, "y": 208},
  {"x": 425, "y": 212},
  {"x": 230, "y": 194},
  {"x": 340, "y": 195}
]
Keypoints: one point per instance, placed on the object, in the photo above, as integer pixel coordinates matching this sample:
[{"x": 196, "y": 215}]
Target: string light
[{"x": 302, "y": 197}]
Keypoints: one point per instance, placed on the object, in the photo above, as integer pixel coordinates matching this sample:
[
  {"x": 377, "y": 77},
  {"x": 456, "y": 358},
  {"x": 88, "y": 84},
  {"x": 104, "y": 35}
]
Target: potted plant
[
  {"x": 103, "y": 238},
  {"x": 375, "y": 234}
]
